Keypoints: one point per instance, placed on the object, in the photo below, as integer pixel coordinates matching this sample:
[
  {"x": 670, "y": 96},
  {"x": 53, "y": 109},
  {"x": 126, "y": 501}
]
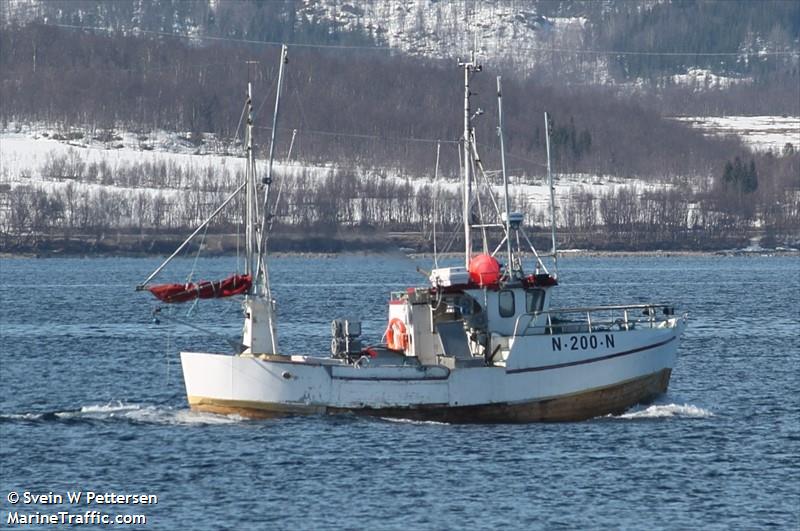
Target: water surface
[{"x": 92, "y": 399}]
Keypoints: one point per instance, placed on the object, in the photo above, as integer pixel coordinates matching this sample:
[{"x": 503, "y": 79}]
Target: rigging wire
[
  {"x": 239, "y": 126},
  {"x": 486, "y": 181},
  {"x": 236, "y": 344},
  {"x": 384, "y": 48},
  {"x": 280, "y": 186},
  {"x": 296, "y": 93},
  {"x": 480, "y": 206},
  {"x": 513, "y": 156},
  {"x": 142, "y": 69},
  {"x": 460, "y": 226},
  {"x": 197, "y": 255},
  {"x": 267, "y": 94},
  {"x": 189, "y": 278},
  {"x": 453, "y": 237},
  {"x": 364, "y": 135},
  {"x": 239, "y": 260}
]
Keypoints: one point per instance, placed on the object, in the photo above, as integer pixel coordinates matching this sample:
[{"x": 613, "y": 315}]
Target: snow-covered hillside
[
  {"x": 47, "y": 159},
  {"x": 52, "y": 182},
  {"x": 27, "y": 157},
  {"x": 523, "y": 31},
  {"x": 574, "y": 41}
]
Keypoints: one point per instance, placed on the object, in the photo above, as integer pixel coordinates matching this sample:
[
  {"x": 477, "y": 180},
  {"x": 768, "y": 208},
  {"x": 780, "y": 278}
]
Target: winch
[{"x": 345, "y": 342}]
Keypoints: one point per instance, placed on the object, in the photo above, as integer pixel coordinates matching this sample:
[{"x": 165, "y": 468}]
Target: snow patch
[
  {"x": 760, "y": 133},
  {"x": 503, "y": 30},
  {"x": 704, "y": 79}
]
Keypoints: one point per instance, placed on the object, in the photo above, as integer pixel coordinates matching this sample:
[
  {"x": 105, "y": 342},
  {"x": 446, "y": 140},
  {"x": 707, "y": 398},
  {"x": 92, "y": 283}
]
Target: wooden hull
[{"x": 614, "y": 399}]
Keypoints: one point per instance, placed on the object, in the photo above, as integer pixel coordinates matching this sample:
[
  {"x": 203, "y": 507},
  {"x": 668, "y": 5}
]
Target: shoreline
[
  {"x": 358, "y": 242},
  {"x": 571, "y": 253}
]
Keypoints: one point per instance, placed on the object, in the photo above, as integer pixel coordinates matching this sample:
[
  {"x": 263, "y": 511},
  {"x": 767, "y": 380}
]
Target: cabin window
[
  {"x": 506, "y": 303},
  {"x": 534, "y": 300}
]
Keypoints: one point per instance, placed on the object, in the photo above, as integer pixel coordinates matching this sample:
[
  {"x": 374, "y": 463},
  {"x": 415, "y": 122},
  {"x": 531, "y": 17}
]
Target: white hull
[{"x": 546, "y": 377}]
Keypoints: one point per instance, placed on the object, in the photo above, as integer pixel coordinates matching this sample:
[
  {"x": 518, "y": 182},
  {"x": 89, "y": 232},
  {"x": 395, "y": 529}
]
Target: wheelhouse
[{"x": 464, "y": 319}]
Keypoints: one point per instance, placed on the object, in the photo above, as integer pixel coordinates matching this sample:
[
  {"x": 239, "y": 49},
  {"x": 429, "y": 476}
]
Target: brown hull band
[{"x": 581, "y": 406}]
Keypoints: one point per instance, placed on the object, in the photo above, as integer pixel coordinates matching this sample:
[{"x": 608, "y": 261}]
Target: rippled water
[{"x": 92, "y": 399}]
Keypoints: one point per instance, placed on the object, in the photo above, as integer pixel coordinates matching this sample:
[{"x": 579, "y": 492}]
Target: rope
[{"x": 167, "y": 356}]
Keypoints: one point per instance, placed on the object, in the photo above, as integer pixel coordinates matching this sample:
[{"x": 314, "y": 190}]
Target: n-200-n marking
[{"x": 584, "y": 342}]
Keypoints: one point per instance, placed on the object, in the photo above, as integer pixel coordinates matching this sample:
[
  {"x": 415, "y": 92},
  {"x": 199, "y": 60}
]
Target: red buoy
[{"x": 484, "y": 270}]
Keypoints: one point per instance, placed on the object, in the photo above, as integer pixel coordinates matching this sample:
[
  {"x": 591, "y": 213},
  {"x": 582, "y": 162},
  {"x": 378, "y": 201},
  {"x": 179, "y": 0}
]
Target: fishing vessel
[{"x": 478, "y": 343}]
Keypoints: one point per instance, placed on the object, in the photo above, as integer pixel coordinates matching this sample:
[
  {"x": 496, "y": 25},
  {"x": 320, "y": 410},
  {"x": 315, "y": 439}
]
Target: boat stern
[{"x": 253, "y": 387}]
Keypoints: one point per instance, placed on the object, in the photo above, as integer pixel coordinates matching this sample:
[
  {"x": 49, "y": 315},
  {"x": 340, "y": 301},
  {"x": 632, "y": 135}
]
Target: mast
[
  {"x": 259, "y": 334},
  {"x": 250, "y": 234},
  {"x": 469, "y": 67},
  {"x": 435, "y": 194},
  {"x": 284, "y": 58},
  {"x": 505, "y": 177},
  {"x": 553, "y": 250},
  {"x": 263, "y": 284}
]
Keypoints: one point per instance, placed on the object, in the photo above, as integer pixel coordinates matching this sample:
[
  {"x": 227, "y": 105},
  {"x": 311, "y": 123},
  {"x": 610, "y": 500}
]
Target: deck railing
[{"x": 593, "y": 319}]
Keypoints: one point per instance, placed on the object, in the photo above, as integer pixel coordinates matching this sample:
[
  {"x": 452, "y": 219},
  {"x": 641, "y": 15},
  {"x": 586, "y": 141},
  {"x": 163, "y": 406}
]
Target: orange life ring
[{"x": 396, "y": 335}]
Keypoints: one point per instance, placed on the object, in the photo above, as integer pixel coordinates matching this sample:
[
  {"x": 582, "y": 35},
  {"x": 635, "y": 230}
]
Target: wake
[
  {"x": 657, "y": 411},
  {"x": 119, "y": 411}
]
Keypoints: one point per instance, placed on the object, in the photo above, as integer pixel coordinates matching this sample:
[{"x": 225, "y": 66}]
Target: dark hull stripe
[{"x": 592, "y": 360}]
